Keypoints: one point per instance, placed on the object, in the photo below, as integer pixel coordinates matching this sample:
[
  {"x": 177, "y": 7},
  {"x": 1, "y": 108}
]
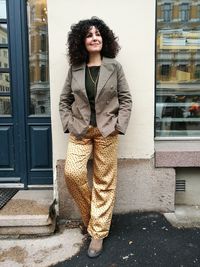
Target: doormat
[{"x": 6, "y": 194}]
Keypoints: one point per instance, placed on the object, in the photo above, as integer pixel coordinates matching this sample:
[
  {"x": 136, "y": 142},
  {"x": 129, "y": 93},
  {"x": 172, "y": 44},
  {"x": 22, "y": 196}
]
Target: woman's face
[{"x": 93, "y": 41}]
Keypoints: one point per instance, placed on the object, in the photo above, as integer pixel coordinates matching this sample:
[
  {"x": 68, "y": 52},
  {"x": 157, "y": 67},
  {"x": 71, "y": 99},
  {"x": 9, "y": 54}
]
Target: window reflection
[
  {"x": 3, "y": 34},
  {"x": 167, "y": 12},
  {"x": 4, "y": 60},
  {"x": 3, "y": 9},
  {"x": 178, "y": 69},
  {"x": 5, "y": 106},
  {"x": 38, "y": 58}
]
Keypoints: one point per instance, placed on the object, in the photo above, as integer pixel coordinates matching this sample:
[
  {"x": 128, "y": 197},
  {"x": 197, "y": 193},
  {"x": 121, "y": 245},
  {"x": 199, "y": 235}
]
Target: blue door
[{"x": 25, "y": 122}]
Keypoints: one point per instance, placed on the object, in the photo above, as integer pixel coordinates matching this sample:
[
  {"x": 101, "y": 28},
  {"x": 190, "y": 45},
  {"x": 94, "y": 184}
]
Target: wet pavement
[{"x": 143, "y": 239}]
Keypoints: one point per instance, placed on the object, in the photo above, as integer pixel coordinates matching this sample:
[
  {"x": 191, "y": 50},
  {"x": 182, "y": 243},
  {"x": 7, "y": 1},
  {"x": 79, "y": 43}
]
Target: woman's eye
[{"x": 89, "y": 35}]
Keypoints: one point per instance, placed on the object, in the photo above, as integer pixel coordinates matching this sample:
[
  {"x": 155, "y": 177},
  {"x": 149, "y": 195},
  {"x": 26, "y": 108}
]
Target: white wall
[{"x": 134, "y": 23}]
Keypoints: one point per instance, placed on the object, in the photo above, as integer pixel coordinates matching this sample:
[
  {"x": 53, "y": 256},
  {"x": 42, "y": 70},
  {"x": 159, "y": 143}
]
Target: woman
[{"x": 95, "y": 106}]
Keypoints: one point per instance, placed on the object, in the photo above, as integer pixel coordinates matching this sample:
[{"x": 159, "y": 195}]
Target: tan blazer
[{"x": 113, "y": 101}]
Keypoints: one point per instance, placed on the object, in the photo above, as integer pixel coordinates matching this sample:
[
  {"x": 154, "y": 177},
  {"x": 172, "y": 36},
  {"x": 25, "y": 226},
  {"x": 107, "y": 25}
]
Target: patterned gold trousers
[{"x": 96, "y": 203}]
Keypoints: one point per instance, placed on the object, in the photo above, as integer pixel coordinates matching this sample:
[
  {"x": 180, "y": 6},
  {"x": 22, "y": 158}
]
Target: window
[
  {"x": 165, "y": 70},
  {"x": 177, "y": 75},
  {"x": 184, "y": 12},
  {"x": 167, "y": 12},
  {"x": 43, "y": 39},
  {"x": 43, "y": 73},
  {"x": 198, "y": 12},
  {"x": 5, "y": 53},
  {"x": 4, "y": 41},
  {"x": 32, "y": 73},
  {"x": 197, "y": 72}
]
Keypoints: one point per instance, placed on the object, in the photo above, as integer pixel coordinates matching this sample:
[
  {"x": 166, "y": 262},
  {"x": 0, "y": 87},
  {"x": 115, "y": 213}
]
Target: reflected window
[
  {"x": 5, "y": 105},
  {"x": 165, "y": 70},
  {"x": 43, "y": 73},
  {"x": 43, "y": 43},
  {"x": 39, "y": 90},
  {"x": 3, "y": 14},
  {"x": 184, "y": 11},
  {"x": 167, "y": 12},
  {"x": 3, "y": 34},
  {"x": 198, "y": 12},
  {"x": 197, "y": 72},
  {"x": 178, "y": 71}
]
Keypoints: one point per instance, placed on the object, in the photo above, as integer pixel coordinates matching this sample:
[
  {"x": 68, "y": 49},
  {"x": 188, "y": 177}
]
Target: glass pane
[
  {"x": 178, "y": 69},
  {"x": 4, "y": 83},
  {"x": 3, "y": 33},
  {"x": 5, "y": 105},
  {"x": 38, "y": 58},
  {"x": 3, "y": 9},
  {"x": 4, "y": 61}
]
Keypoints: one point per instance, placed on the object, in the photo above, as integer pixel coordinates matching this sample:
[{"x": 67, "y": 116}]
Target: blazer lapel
[
  {"x": 106, "y": 70},
  {"x": 79, "y": 76}
]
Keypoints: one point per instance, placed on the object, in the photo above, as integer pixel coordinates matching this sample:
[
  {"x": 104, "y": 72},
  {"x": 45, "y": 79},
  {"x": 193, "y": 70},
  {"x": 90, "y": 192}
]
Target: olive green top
[{"x": 91, "y": 81}]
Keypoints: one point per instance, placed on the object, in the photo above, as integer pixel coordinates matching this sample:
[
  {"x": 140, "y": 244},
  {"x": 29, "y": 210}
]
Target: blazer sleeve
[
  {"x": 125, "y": 101},
  {"x": 66, "y": 100}
]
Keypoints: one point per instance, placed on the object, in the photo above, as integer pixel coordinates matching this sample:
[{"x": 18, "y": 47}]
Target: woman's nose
[{"x": 94, "y": 37}]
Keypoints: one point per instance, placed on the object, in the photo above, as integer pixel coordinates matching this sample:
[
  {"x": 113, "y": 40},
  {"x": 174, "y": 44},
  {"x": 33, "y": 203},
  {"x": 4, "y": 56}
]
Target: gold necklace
[{"x": 94, "y": 81}]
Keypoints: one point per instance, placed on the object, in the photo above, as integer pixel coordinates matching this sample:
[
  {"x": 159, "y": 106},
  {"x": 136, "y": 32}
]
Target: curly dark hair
[{"x": 77, "y": 52}]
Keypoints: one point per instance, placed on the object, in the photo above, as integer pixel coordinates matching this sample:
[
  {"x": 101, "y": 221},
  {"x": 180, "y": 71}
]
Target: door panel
[
  {"x": 39, "y": 147},
  {"x": 7, "y": 148},
  {"x": 38, "y": 94}
]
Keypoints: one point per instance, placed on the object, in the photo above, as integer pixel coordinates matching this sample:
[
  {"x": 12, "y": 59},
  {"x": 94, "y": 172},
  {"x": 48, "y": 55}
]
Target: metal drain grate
[
  {"x": 6, "y": 194},
  {"x": 180, "y": 185}
]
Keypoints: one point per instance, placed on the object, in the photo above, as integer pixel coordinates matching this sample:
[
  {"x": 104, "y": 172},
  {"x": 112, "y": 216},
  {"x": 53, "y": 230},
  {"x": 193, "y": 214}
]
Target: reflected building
[
  {"x": 178, "y": 68},
  {"x": 38, "y": 57}
]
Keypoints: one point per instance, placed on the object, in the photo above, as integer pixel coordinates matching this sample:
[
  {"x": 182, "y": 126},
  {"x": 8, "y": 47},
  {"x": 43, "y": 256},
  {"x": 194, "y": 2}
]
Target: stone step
[
  {"x": 29, "y": 212},
  {"x": 184, "y": 216}
]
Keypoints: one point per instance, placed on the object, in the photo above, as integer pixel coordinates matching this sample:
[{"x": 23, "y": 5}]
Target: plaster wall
[{"x": 134, "y": 23}]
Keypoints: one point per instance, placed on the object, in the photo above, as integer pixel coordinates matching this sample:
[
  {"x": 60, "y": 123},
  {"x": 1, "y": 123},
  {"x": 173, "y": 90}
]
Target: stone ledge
[
  {"x": 42, "y": 230},
  {"x": 177, "y": 154},
  {"x": 25, "y": 220}
]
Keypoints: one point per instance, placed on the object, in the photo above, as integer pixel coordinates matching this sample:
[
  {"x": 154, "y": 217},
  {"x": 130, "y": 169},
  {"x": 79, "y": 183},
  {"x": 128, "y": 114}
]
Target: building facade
[{"x": 159, "y": 157}]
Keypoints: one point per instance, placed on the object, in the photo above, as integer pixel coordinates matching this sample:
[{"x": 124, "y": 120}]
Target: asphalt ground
[{"x": 143, "y": 239}]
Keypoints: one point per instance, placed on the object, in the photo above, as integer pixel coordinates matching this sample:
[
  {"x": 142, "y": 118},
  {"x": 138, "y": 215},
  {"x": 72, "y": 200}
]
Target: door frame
[{"x": 18, "y": 47}]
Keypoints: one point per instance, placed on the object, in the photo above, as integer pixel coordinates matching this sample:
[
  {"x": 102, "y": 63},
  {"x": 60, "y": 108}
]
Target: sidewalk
[
  {"x": 138, "y": 239},
  {"x": 144, "y": 239},
  {"x": 41, "y": 251}
]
